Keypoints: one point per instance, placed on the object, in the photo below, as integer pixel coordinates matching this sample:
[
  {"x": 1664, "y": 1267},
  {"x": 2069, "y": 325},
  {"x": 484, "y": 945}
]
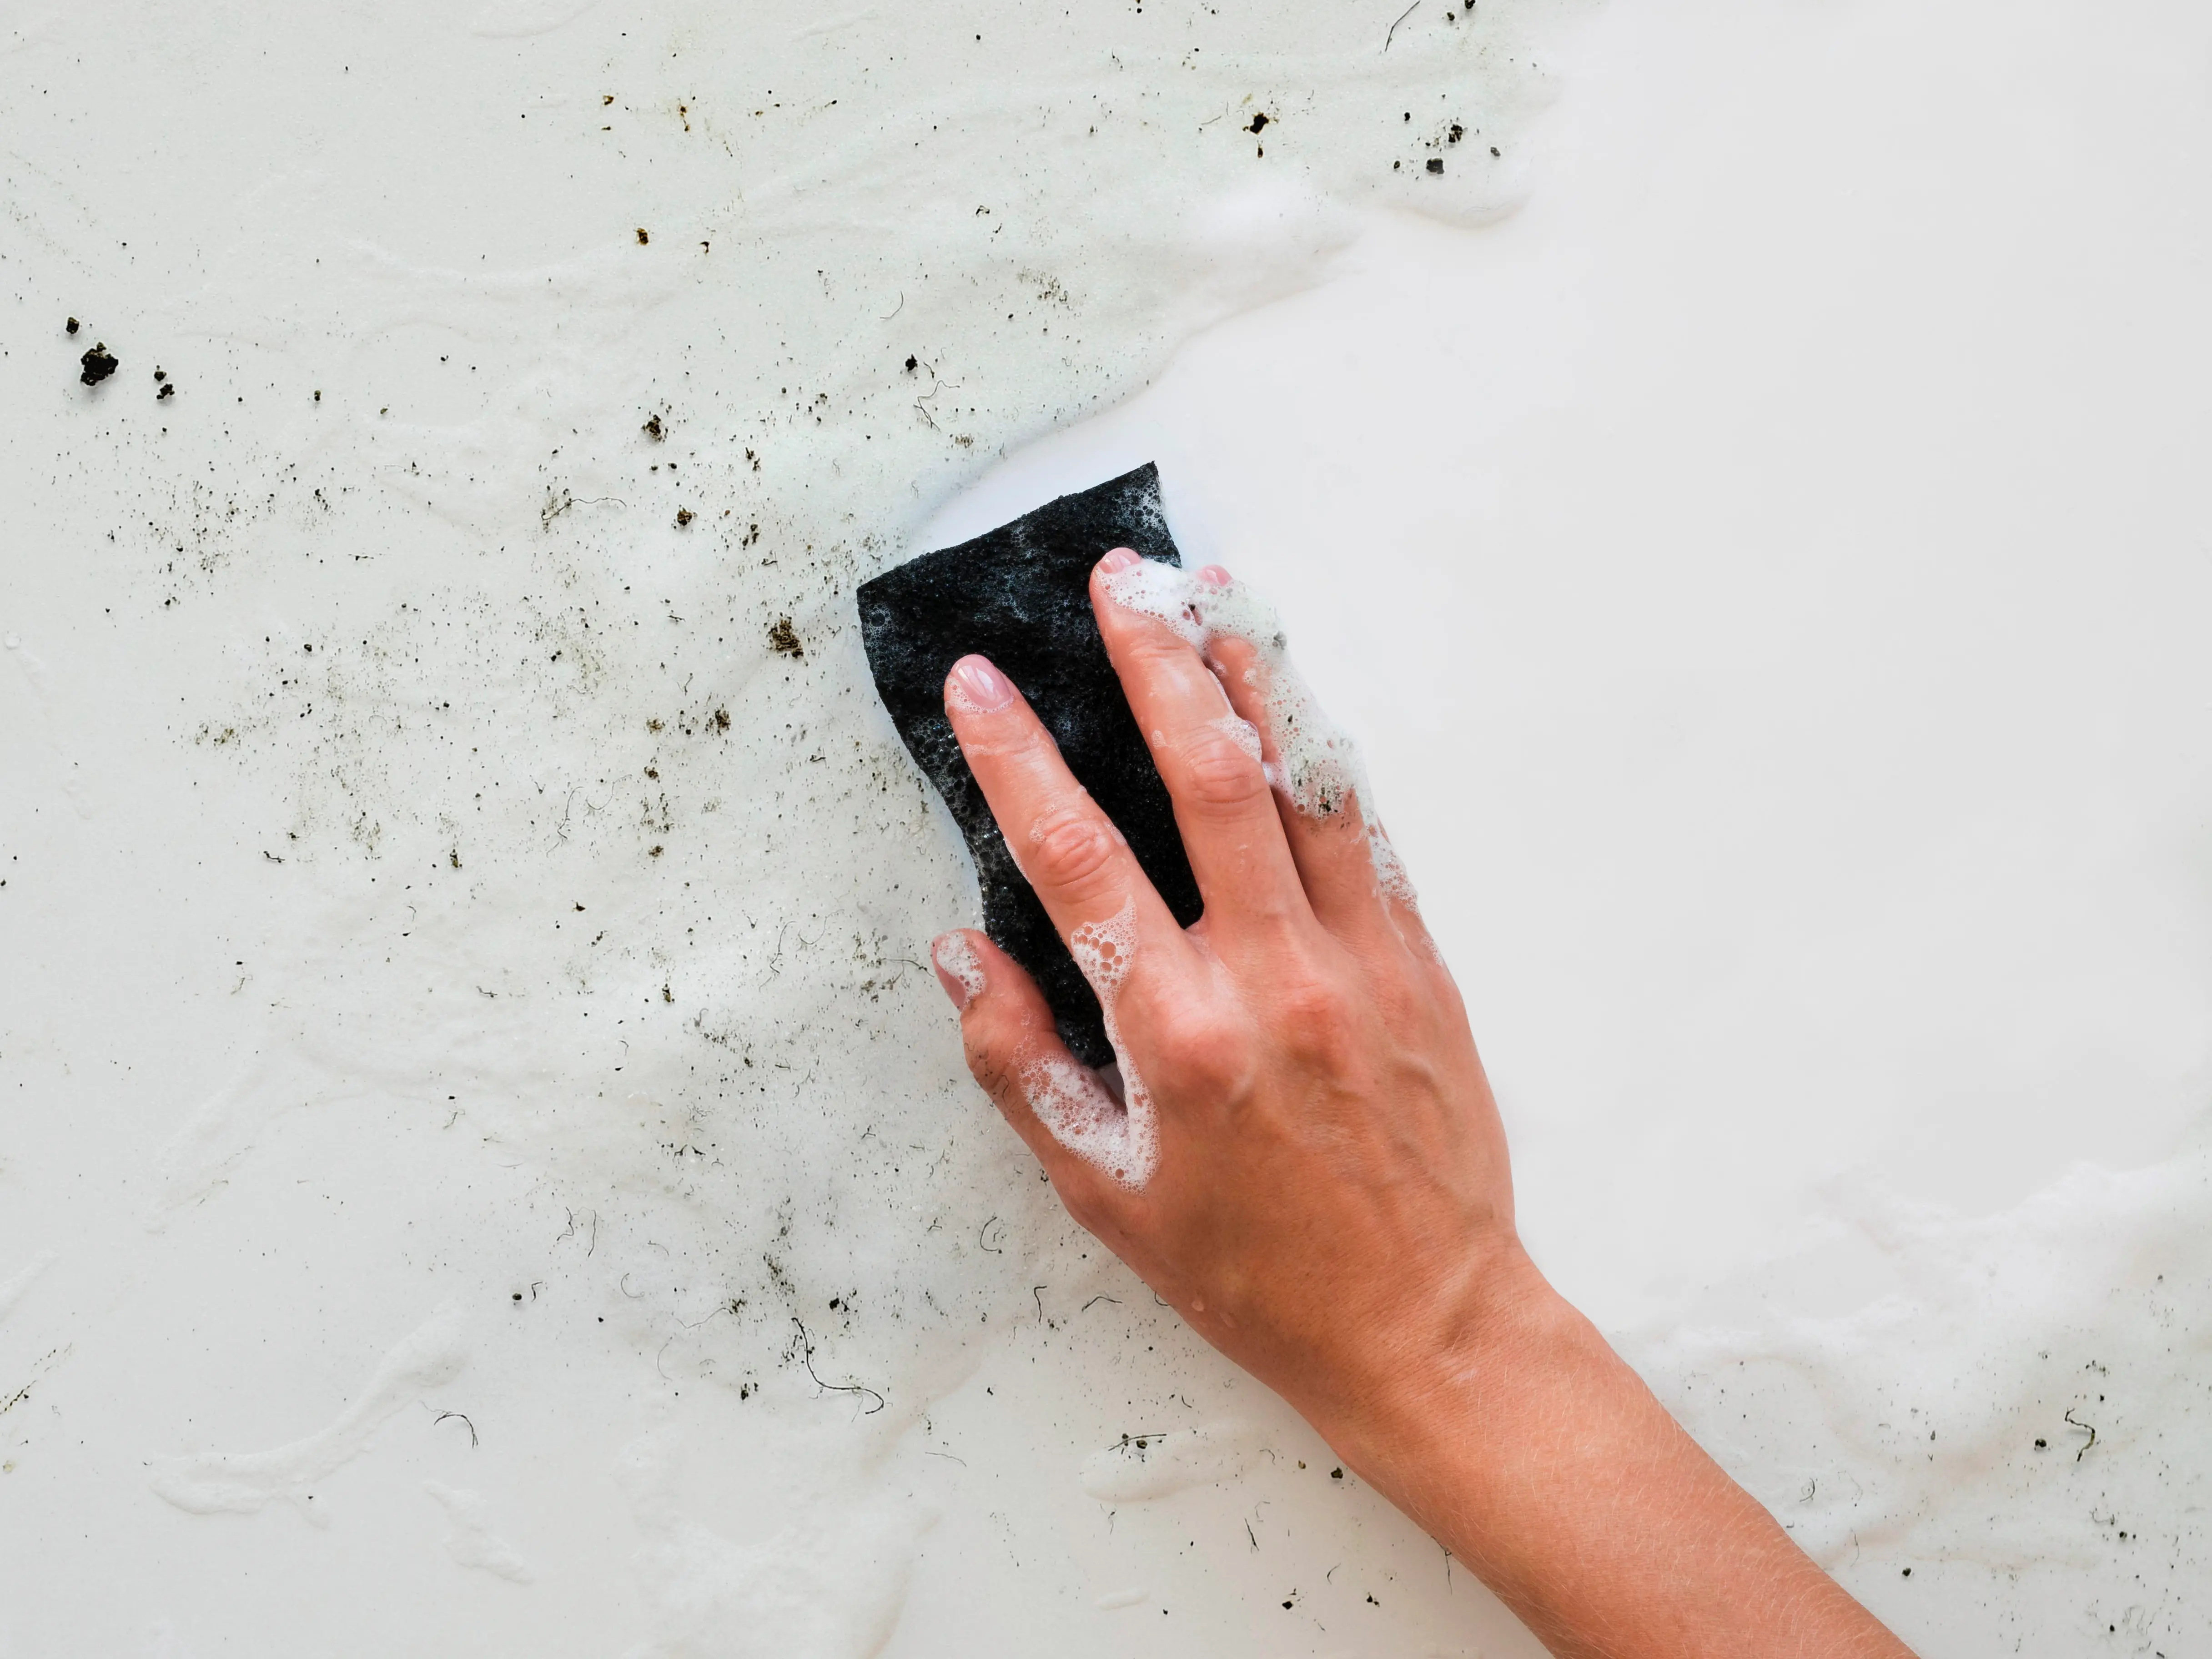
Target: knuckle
[
  {"x": 1218, "y": 772},
  {"x": 1199, "y": 1056},
  {"x": 1314, "y": 1014},
  {"x": 1068, "y": 847}
]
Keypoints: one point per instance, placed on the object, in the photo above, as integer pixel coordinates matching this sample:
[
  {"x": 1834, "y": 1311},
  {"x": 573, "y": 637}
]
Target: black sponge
[{"x": 1020, "y": 596}]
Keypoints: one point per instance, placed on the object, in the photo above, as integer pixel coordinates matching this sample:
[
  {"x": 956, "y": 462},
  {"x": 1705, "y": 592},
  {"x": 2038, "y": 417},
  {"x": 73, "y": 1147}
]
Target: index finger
[{"x": 1082, "y": 872}]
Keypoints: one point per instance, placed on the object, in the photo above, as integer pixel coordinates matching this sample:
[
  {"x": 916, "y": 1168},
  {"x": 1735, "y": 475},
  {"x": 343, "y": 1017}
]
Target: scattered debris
[
  {"x": 783, "y": 638},
  {"x": 2089, "y": 1429},
  {"x": 464, "y": 1416}
]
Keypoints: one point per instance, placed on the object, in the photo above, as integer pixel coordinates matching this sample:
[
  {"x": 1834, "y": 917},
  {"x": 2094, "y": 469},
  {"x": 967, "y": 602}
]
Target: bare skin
[{"x": 1327, "y": 1145}]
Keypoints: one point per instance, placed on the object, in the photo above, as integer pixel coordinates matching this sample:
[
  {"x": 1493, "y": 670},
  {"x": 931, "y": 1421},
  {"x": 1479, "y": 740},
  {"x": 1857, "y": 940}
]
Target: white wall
[{"x": 1769, "y": 570}]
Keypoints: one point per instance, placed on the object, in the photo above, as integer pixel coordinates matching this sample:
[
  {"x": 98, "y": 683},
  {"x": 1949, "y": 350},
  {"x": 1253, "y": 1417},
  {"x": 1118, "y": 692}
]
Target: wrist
[{"x": 1439, "y": 1377}]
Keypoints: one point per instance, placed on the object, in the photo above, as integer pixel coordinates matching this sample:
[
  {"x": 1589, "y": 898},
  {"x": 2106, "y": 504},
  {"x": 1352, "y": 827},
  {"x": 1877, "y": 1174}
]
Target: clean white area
[{"x": 1770, "y": 573}]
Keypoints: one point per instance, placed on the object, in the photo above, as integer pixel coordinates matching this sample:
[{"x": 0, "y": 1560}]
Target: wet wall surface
[{"x": 485, "y": 1163}]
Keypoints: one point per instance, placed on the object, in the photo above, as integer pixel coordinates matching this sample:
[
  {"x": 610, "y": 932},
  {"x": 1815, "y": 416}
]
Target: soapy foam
[
  {"x": 434, "y": 1354},
  {"x": 1318, "y": 769},
  {"x": 1121, "y": 1137},
  {"x": 1241, "y": 733},
  {"x": 958, "y": 957},
  {"x": 469, "y": 1538}
]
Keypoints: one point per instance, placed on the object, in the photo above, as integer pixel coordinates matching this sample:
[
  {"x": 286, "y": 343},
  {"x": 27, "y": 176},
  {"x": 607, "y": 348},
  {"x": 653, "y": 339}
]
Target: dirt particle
[
  {"x": 651, "y": 428},
  {"x": 1258, "y": 123},
  {"x": 453, "y": 858},
  {"x": 71, "y": 326},
  {"x": 783, "y": 638},
  {"x": 1456, "y": 133},
  {"x": 168, "y": 391},
  {"x": 98, "y": 364},
  {"x": 1435, "y": 164},
  {"x": 642, "y": 239},
  {"x": 682, "y": 516},
  {"x": 654, "y": 852},
  {"x": 721, "y": 720},
  {"x": 913, "y": 362}
]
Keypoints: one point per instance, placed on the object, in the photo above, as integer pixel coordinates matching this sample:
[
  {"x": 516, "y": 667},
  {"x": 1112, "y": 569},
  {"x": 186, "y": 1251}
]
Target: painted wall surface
[{"x": 481, "y": 1167}]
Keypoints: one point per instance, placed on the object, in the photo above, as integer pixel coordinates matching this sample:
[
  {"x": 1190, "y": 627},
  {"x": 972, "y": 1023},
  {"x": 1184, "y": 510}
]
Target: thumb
[{"x": 1058, "y": 1106}]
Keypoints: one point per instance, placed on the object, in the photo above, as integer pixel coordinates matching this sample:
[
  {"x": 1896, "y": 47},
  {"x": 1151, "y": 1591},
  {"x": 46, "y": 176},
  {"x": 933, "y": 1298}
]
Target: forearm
[{"x": 1534, "y": 1454}]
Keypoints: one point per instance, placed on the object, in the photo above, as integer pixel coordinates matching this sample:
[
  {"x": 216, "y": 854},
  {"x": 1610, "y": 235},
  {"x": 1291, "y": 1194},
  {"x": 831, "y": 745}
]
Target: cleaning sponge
[{"x": 1020, "y": 596}]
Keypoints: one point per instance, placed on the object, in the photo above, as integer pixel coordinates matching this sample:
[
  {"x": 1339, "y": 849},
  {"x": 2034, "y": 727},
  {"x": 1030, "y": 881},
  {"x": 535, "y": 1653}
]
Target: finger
[
  {"x": 1209, "y": 756},
  {"x": 1352, "y": 877},
  {"x": 1088, "y": 1142},
  {"x": 1083, "y": 873}
]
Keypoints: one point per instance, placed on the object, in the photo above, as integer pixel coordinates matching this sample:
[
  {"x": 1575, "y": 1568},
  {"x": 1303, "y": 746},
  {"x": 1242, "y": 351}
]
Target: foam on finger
[
  {"x": 1071, "y": 1100},
  {"x": 957, "y": 956},
  {"x": 1318, "y": 768}
]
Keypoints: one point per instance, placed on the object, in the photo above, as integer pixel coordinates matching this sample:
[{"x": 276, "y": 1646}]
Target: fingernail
[
  {"x": 958, "y": 969},
  {"x": 983, "y": 685},
  {"x": 1214, "y": 576},
  {"x": 1119, "y": 559}
]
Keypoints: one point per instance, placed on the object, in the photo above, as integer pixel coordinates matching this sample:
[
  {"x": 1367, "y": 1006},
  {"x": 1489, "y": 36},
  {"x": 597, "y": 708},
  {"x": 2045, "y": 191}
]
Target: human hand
[
  {"x": 1304, "y": 1158},
  {"x": 1309, "y": 1165}
]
